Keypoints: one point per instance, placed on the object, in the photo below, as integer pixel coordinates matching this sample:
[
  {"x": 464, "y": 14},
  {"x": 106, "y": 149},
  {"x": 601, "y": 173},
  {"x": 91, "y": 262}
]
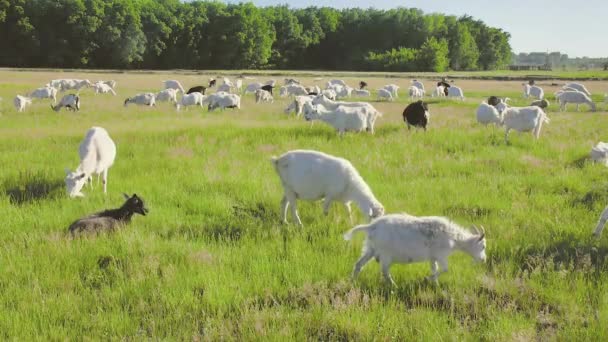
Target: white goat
[
  {"x": 576, "y": 97},
  {"x": 191, "y": 99},
  {"x": 223, "y": 100},
  {"x": 312, "y": 175},
  {"x": 405, "y": 239},
  {"x": 418, "y": 85},
  {"x": 97, "y": 153},
  {"x": 329, "y": 93},
  {"x": 533, "y": 91},
  {"x": 393, "y": 88},
  {"x": 297, "y": 104},
  {"x": 336, "y": 82},
  {"x": 439, "y": 92},
  {"x": 524, "y": 119},
  {"x": 578, "y": 86},
  {"x": 372, "y": 113},
  {"x": 69, "y": 101},
  {"x": 102, "y": 88},
  {"x": 292, "y": 90},
  {"x": 111, "y": 83},
  {"x": 384, "y": 94},
  {"x": 262, "y": 95},
  {"x": 74, "y": 84},
  {"x": 21, "y": 102},
  {"x": 224, "y": 88},
  {"x": 342, "y": 119},
  {"x": 488, "y": 114},
  {"x": 456, "y": 92},
  {"x": 167, "y": 95},
  {"x": 599, "y": 153},
  {"x": 145, "y": 99},
  {"x": 238, "y": 86},
  {"x": 174, "y": 84},
  {"x": 253, "y": 87},
  {"x": 44, "y": 93},
  {"x": 415, "y": 93}
]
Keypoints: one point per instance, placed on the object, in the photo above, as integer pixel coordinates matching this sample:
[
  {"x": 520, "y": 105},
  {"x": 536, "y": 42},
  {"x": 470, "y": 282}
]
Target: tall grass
[{"x": 212, "y": 261}]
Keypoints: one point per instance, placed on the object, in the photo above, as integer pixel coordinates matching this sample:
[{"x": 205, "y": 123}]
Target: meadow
[{"x": 212, "y": 261}]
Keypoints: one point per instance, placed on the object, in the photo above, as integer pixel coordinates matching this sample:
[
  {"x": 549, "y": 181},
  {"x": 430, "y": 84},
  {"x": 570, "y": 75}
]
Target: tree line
[{"x": 169, "y": 34}]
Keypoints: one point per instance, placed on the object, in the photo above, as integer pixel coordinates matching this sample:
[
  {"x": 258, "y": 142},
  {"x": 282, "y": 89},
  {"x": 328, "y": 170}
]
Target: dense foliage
[{"x": 168, "y": 34}]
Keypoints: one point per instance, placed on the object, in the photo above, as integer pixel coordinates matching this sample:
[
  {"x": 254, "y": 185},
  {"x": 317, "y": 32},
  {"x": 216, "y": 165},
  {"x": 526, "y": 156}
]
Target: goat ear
[
  {"x": 481, "y": 237},
  {"x": 81, "y": 176},
  {"x": 125, "y": 195},
  {"x": 477, "y": 232}
]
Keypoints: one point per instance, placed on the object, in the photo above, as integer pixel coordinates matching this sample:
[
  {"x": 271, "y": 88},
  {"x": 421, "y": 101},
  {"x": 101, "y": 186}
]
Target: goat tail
[{"x": 349, "y": 234}]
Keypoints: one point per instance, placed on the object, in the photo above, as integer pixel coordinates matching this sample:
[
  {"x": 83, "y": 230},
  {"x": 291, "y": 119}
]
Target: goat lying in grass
[{"x": 110, "y": 219}]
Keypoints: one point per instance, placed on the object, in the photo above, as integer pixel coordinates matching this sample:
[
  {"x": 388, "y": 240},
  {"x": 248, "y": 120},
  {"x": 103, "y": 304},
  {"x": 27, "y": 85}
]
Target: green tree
[
  {"x": 433, "y": 55},
  {"x": 463, "y": 52}
]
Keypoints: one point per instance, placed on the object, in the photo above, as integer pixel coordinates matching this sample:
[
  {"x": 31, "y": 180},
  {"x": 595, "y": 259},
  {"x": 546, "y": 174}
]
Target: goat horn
[
  {"x": 476, "y": 230},
  {"x": 483, "y": 231}
]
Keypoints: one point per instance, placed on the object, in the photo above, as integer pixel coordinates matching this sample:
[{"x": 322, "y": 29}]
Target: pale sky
[{"x": 574, "y": 27}]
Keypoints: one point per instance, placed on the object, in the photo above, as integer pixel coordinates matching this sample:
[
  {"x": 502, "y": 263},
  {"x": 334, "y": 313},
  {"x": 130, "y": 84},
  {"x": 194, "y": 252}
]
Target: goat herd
[{"x": 312, "y": 175}]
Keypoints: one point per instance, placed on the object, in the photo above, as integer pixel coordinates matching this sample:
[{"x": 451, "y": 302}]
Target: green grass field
[{"x": 211, "y": 260}]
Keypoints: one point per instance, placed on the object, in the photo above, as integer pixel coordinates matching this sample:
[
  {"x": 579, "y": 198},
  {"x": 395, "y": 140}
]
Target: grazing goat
[
  {"x": 405, "y": 239},
  {"x": 191, "y": 99},
  {"x": 416, "y": 114},
  {"x": 439, "y": 92},
  {"x": 419, "y": 85},
  {"x": 44, "y": 93},
  {"x": 533, "y": 91},
  {"x": 488, "y": 114},
  {"x": 385, "y": 94},
  {"x": 102, "y": 88},
  {"x": 577, "y": 86},
  {"x": 253, "y": 87},
  {"x": 393, "y": 88},
  {"x": 70, "y": 102},
  {"x": 212, "y": 83},
  {"x": 330, "y": 94},
  {"x": 342, "y": 119},
  {"x": 174, "y": 84},
  {"x": 524, "y": 119},
  {"x": 268, "y": 88},
  {"x": 197, "y": 89},
  {"x": 576, "y": 97},
  {"x": 599, "y": 153},
  {"x": 145, "y": 99},
  {"x": 298, "y": 104},
  {"x": 111, "y": 83},
  {"x": 362, "y": 85},
  {"x": 292, "y": 90},
  {"x": 372, "y": 113},
  {"x": 97, "y": 153},
  {"x": 167, "y": 95},
  {"x": 263, "y": 96},
  {"x": 110, "y": 219},
  {"x": 335, "y": 82},
  {"x": 312, "y": 175},
  {"x": 21, "y": 102},
  {"x": 223, "y": 100},
  {"x": 415, "y": 93},
  {"x": 456, "y": 92}
]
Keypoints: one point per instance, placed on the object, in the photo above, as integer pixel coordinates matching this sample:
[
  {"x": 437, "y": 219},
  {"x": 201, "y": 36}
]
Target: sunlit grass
[{"x": 211, "y": 260}]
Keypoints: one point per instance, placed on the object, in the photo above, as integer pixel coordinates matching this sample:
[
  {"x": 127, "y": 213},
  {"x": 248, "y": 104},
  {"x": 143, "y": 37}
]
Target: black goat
[
  {"x": 197, "y": 89},
  {"x": 268, "y": 88},
  {"x": 212, "y": 83},
  {"x": 416, "y": 114},
  {"x": 110, "y": 219},
  {"x": 362, "y": 85}
]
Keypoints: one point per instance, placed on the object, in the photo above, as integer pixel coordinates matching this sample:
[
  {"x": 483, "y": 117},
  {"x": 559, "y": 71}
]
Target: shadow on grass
[
  {"x": 31, "y": 187},
  {"x": 579, "y": 163},
  {"x": 567, "y": 254},
  {"x": 597, "y": 195}
]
